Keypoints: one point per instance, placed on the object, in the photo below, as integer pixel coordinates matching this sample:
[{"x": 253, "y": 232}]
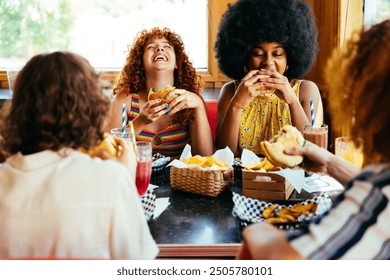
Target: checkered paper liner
[
  {"x": 250, "y": 210},
  {"x": 159, "y": 163},
  {"x": 148, "y": 201}
]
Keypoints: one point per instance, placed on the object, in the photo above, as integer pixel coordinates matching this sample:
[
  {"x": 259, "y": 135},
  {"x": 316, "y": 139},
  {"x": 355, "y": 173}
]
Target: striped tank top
[{"x": 169, "y": 141}]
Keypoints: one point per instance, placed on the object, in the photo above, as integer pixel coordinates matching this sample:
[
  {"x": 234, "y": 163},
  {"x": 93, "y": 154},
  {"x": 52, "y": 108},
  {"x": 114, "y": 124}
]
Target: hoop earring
[{"x": 245, "y": 69}]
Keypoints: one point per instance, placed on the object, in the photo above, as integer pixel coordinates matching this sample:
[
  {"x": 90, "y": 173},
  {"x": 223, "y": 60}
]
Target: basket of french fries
[
  {"x": 284, "y": 214},
  {"x": 209, "y": 175}
]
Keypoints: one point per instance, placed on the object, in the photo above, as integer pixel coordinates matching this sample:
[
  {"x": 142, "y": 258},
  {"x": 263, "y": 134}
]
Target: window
[
  {"x": 100, "y": 30},
  {"x": 376, "y": 11}
]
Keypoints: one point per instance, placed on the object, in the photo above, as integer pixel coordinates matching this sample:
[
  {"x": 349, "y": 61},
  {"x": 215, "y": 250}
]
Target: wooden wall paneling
[
  {"x": 213, "y": 78},
  {"x": 336, "y": 21}
]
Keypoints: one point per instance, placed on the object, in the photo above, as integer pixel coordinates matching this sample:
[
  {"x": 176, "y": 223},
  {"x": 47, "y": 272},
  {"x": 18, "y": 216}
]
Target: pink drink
[{"x": 144, "y": 170}]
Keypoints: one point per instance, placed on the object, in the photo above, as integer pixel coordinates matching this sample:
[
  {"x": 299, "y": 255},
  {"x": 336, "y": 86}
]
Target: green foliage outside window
[{"x": 28, "y": 27}]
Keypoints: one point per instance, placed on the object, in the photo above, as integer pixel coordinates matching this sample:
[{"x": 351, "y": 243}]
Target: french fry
[
  {"x": 288, "y": 214},
  {"x": 264, "y": 164},
  {"x": 276, "y": 220},
  {"x": 207, "y": 162},
  {"x": 303, "y": 208},
  {"x": 268, "y": 212}
]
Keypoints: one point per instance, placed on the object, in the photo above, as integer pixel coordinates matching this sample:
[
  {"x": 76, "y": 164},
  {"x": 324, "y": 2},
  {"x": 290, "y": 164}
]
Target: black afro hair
[{"x": 247, "y": 23}]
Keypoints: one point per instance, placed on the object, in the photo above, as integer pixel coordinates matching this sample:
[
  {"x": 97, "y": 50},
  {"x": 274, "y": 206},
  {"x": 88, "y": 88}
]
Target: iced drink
[
  {"x": 144, "y": 166},
  {"x": 317, "y": 135},
  {"x": 142, "y": 178},
  {"x": 345, "y": 148}
]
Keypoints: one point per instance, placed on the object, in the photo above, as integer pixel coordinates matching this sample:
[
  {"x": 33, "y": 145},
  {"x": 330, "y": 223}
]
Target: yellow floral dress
[{"x": 262, "y": 118}]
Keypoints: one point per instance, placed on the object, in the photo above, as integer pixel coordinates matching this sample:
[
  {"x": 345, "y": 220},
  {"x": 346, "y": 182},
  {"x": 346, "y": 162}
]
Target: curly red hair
[{"x": 132, "y": 76}]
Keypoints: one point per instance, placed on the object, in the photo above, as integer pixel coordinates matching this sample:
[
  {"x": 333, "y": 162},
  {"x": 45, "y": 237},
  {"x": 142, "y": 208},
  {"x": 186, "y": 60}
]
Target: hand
[
  {"x": 127, "y": 155},
  {"x": 248, "y": 88},
  {"x": 183, "y": 99},
  {"x": 263, "y": 241},
  {"x": 316, "y": 158},
  {"x": 273, "y": 79},
  {"x": 150, "y": 112}
]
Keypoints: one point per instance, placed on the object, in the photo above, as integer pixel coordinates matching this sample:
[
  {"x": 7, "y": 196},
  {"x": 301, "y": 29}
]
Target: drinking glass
[
  {"x": 144, "y": 166},
  {"x": 319, "y": 136},
  {"x": 12, "y": 73},
  {"x": 316, "y": 134},
  {"x": 346, "y": 148},
  {"x": 127, "y": 135}
]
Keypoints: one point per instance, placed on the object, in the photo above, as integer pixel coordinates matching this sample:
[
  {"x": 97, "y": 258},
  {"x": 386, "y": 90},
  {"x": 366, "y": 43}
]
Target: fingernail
[
  {"x": 169, "y": 113},
  {"x": 166, "y": 105},
  {"x": 168, "y": 108},
  {"x": 166, "y": 96},
  {"x": 159, "y": 100}
]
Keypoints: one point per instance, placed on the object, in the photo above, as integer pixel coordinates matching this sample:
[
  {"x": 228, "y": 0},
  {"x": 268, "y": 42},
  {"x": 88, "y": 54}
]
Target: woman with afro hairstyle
[
  {"x": 357, "y": 226},
  {"x": 266, "y": 46},
  {"x": 156, "y": 59}
]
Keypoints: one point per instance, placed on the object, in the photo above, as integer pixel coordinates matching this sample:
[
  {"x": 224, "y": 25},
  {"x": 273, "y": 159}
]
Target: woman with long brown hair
[{"x": 55, "y": 201}]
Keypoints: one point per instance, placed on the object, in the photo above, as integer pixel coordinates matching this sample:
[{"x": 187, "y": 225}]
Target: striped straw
[
  {"x": 124, "y": 118},
  {"x": 312, "y": 112},
  {"x": 132, "y": 134}
]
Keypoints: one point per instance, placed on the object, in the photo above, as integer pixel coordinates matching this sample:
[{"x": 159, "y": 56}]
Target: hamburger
[
  {"x": 287, "y": 137},
  {"x": 153, "y": 94},
  {"x": 267, "y": 90},
  {"x": 108, "y": 144}
]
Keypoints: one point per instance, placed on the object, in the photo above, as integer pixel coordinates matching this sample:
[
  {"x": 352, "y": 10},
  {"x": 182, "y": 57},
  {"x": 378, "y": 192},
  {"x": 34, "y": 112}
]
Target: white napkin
[
  {"x": 162, "y": 203},
  {"x": 321, "y": 183}
]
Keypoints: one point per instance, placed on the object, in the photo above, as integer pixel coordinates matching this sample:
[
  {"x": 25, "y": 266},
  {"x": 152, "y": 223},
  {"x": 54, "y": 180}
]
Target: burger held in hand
[
  {"x": 108, "y": 145},
  {"x": 161, "y": 94},
  {"x": 288, "y": 137}
]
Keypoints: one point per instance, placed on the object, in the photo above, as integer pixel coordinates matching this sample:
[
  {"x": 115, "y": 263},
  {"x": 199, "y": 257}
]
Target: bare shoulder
[
  {"x": 122, "y": 97},
  {"x": 308, "y": 89},
  {"x": 227, "y": 91}
]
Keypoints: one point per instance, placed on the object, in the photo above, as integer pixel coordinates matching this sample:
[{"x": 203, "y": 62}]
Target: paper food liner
[
  {"x": 250, "y": 210},
  {"x": 148, "y": 202},
  {"x": 226, "y": 155},
  {"x": 159, "y": 164}
]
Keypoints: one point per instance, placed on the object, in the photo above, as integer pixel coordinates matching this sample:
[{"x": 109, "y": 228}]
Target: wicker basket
[{"x": 204, "y": 182}]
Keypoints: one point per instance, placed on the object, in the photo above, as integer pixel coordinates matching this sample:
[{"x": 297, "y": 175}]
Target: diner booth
[{"x": 191, "y": 225}]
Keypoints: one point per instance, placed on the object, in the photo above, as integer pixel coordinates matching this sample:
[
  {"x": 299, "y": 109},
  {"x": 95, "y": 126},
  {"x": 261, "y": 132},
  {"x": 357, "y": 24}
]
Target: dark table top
[
  {"x": 199, "y": 220},
  {"x": 192, "y": 218}
]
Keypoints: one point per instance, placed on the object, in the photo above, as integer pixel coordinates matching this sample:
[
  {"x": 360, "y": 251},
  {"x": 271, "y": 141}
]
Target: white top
[{"x": 70, "y": 207}]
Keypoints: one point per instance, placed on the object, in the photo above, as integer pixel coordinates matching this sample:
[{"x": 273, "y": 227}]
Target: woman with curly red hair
[{"x": 156, "y": 59}]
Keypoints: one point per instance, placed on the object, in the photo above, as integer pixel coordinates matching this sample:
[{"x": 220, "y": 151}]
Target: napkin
[
  {"x": 225, "y": 155},
  {"x": 152, "y": 206},
  {"x": 295, "y": 176},
  {"x": 162, "y": 203},
  {"x": 321, "y": 183}
]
